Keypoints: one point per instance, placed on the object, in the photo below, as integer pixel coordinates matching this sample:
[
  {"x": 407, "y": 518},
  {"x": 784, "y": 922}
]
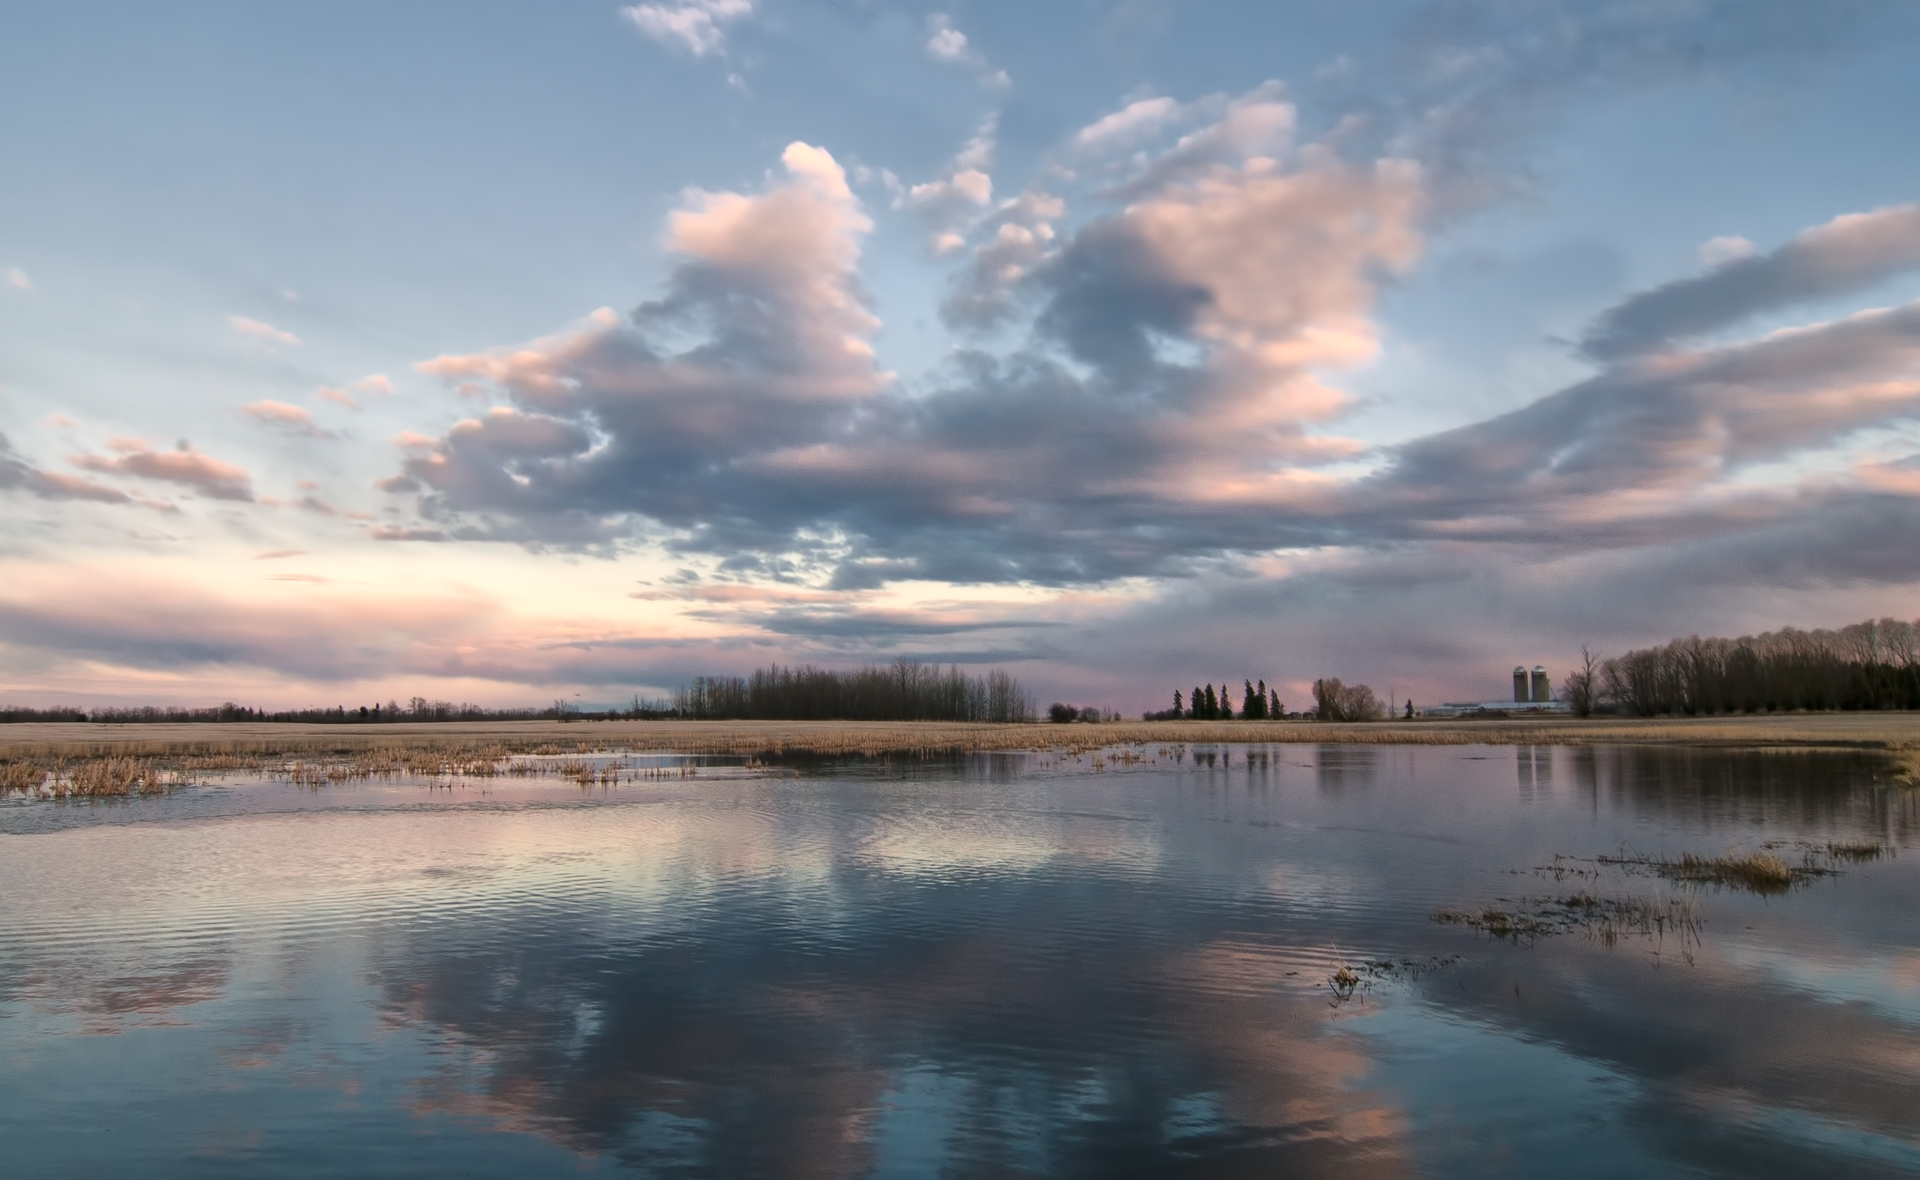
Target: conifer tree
[
  {"x": 1199, "y": 711},
  {"x": 1212, "y": 707},
  {"x": 1177, "y": 710}
]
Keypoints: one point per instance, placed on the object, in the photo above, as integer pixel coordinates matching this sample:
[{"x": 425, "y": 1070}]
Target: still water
[{"x": 993, "y": 966}]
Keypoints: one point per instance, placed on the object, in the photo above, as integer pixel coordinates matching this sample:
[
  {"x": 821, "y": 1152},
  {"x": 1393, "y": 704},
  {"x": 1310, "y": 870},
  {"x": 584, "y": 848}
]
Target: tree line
[
  {"x": 1257, "y": 703},
  {"x": 905, "y": 690},
  {"x": 1870, "y": 665},
  {"x": 417, "y": 710}
]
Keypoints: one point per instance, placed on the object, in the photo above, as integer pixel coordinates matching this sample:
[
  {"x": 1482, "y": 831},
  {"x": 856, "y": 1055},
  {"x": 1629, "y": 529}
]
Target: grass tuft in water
[
  {"x": 1606, "y": 920},
  {"x": 1759, "y": 872}
]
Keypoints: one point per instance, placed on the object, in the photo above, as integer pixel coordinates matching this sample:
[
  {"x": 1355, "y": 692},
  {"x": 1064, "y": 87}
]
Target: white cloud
[
  {"x": 1128, "y": 125},
  {"x": 18, "y": 278},
  {"x": 697, "y": 26},
  {"x": 259, "y": 330},
  {"x": 945, "y": 42},
  {"x": 1722, "y": 250},
  {"x": 951, "y": 205},
  {"x": 948, "y": 44}
]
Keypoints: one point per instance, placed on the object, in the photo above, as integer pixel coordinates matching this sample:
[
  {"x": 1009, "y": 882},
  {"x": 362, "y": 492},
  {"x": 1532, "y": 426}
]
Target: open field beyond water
[{"x": 1883, "y": 731}]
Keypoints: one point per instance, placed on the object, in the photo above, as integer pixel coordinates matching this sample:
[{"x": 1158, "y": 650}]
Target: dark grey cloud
[
  {"x": 1660, "y": 431},
  {"x": 1845, "y": 255}
]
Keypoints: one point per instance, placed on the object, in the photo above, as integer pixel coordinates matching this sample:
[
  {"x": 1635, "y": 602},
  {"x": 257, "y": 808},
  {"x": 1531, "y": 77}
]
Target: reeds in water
[
  {"x": 95, "y": 778},
  {"x": 1761, "y": 871},
  {"x": 1606, "y": 920},
  {"x": 24, "y": 777}
]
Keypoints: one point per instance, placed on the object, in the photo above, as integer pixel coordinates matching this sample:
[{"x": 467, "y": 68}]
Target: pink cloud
[
  {"x": 296, "y": 418},
  {"x": 184, "y": 465},
  {"x": 259, "y": 330},
  {"x": 349, "y": 395}
]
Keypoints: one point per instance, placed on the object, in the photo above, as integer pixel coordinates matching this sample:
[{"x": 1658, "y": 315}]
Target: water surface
[{"x": 997, "y": 965}]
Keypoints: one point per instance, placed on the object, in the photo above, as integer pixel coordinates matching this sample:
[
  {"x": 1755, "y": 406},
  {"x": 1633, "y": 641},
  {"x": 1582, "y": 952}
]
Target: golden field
[{"x": 1880, "y": 731}]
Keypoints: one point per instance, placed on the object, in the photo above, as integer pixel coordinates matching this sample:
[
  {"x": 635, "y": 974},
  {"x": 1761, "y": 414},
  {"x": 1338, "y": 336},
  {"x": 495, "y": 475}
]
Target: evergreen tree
[
  {"x": 1212, "y": 707},
  {"x": 1252, "y": 708},
  {"x": 1274, "y": 709},
  {"x": 1199, "y": 710},
  {"x": 1178, "y": 711}
]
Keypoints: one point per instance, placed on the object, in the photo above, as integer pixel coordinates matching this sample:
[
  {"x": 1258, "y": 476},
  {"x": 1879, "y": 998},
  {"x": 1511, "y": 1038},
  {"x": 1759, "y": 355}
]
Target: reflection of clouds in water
[
  {"x": 1889, "y": 981},
  {"x": 944, "y": 1028},
  {"x": 1693, "y": 1037},
  {"x": 1078, "y": 977},
  {"x": 951, "y": 851},
  {"x": 953, "y": 846},
  {"x": 1321, "y": 888},
  {"x": 1280, "y": 1066}
]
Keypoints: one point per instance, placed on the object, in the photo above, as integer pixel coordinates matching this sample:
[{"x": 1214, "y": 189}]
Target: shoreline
[{"x": 1885, "y": 731}]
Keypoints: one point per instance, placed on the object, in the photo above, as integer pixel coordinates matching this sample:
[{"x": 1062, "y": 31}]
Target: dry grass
[
  {"x": 1763, "y": 871},
  {"x": 89, "y": 778},
  {"x": 36, "y": 757},
  {"x": 1895, "y": 732}
]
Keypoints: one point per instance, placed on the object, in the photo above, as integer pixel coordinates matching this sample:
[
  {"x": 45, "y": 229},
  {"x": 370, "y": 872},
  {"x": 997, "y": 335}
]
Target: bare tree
[
  {"x": 1334, "y": 701},
  {"x": 1580, "y": 687}
]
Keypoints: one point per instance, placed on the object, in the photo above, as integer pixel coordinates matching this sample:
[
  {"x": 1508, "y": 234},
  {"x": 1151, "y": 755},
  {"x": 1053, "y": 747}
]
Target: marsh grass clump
[
  {"x": 24, "y": 777},
  {"x": 1509, "y": 923},
  {"x": 1606, "y": 920},
  {"x": 1761, "y": 871},
  {"x": 107, "y": 778},
  {"x": 1855, "y": 851}
]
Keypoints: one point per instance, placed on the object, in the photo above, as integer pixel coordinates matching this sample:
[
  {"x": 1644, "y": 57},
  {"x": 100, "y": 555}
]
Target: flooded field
[{"x": 1149, "y": 960}]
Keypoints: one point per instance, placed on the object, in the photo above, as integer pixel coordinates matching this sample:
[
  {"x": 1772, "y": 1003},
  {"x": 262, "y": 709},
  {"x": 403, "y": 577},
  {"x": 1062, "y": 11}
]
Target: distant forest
[
  {"x": 1870, "y": 665},
  {"x": 417, "y": 710},
  {"x": 905, "y": 690}
]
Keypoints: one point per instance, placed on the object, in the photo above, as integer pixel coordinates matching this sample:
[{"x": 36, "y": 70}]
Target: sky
[{"x": 514, "y": 353}]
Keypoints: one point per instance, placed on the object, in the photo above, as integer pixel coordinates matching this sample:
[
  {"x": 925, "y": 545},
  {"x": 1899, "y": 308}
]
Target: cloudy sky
[{"x": 509, "y": 353}]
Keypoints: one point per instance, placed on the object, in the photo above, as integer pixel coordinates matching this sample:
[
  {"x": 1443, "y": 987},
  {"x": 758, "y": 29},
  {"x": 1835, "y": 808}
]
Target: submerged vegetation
[{"x": 1607, "y": 919}]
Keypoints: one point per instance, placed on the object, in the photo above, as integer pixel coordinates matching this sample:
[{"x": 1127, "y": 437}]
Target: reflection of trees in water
[
  {"x": 755, "y": 1046},
  {"x": 1343, "y": 767},
  {"x": 1844, "y": 791}
]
